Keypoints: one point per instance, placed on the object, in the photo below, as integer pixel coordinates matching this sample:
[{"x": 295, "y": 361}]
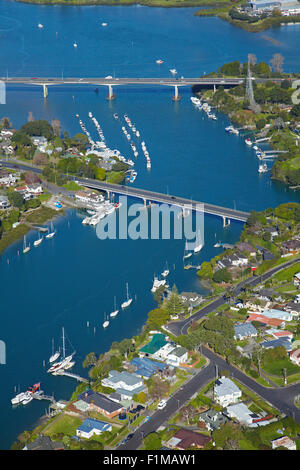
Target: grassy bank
[{"x": 37, "y": 216}]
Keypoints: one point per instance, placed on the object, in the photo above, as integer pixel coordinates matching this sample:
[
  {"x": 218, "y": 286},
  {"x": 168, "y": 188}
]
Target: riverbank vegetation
[{"x": 275, "y": 115}]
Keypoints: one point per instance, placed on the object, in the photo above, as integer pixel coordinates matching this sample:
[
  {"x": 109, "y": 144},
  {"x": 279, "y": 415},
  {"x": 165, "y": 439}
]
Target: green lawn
[{"x": 64, "y": 424}]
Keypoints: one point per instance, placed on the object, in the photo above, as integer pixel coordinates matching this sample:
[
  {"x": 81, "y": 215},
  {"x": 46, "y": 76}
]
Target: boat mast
[{"x": 63, "y": 338}]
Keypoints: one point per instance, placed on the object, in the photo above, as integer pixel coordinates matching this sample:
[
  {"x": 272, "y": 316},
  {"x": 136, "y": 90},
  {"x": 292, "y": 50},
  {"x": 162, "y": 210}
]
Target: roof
[
  {"x": 186, "y": 439},
  {"x": 89, "y": 424},
  {"x": 225, "y": 386},
  {"x": 241, "y": 412},
  {"x": 275, "y": 343},
  {"x": 244, "y": 329},
  {"x": 265, "y": 320},
  {"x": 158, "y": 341},
  {"x": 146, "y": 367},
  {"x": 99, "y": 400},
  {"x": 44, "y": 443},
  {"x": 179, "y": 351},
  {"x": 126, "y": 377}
]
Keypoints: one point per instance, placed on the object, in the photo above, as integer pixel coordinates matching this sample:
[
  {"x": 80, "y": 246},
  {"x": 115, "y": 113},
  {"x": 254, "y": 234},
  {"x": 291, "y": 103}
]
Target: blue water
[{"x": 74, "y": 277}]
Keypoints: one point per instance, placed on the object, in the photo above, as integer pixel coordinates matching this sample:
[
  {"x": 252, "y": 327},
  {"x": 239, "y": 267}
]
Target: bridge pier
[
  {"x": 215, "y": 88},
  {"x": 45, "y": 91},
  {"x": 226, "y": 221},
  {"x": 111, "y": 95},
  {"x": 176, "y": 96}
]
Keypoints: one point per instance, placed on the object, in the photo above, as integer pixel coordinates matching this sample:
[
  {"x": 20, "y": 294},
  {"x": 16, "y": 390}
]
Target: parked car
[{"x": 161, "y": 404}]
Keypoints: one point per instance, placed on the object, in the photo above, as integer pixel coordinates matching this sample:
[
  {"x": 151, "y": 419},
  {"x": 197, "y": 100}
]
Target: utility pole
[{"x": 284, "y": 374}]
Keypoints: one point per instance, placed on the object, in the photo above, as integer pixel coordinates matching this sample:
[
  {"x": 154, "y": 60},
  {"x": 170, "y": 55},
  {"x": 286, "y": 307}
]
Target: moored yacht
[
  {"x": 157, "y": 283},
  {"x": 128, "y": 301}
]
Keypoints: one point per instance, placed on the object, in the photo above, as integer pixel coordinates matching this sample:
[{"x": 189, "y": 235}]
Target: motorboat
[
  {"x": 157, "y": 283},
  {"x": 40, "y": 25},
  {"x": 248, "y": 142},
  {"x": 173, "y": 71},
  {"x": 19, "y": 398},
  {"x": 159, "y": 61}
]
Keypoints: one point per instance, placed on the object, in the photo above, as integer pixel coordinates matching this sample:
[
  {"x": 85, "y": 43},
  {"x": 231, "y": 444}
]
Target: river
[{"x": 73, "y": 278}]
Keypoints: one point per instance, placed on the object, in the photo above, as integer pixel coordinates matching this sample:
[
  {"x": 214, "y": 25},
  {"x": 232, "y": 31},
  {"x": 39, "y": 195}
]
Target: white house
[
  {"x": 35, "y": 188},
  {"x": 92, "y": 426},
  {"x": 241, "y": 413},
  {"x": 124, "y": 383},
  {"x": 284, "y": 441},
  {"x": 226, "y": 392},
  {"x": 173, "y": 355},
  {"x": 4, "y": 202}
]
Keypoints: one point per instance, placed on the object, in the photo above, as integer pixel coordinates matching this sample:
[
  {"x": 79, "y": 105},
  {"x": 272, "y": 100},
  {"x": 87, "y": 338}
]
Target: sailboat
[
  {"x": 187, "y": 254},
  {"x": 105, "y": 323},
  {"x": 199, "y": 244},
  {"x": 65, "y": 361},
  {"x": 115, "y": 312},
  {"x": 38, "y": 241},
  {"x": 128, "y": 301},
  {"x": 52, "y": 233},
  {"x": 55, "y": 355},
  {"x": 25, "y": 247}
]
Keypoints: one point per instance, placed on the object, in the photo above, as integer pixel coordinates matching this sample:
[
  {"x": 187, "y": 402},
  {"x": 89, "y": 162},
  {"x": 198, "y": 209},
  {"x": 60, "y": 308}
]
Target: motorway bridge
[
  {"x": 111, "y": 82},
  {"x": 226, "y": 214}
]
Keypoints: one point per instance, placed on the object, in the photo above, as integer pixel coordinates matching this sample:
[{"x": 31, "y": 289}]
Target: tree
[
  {"x": 152, "y": 441},
  {"x": 16, "y": 199},
  {"x": 56, "y": 127},
  {"x": 174, "y": 304},
  {"x": 30, "y": 177},
  {"x": 90, "y": 360},
  {"x": 277, "y": 62},
  {"x": 206, "y": 271},
  {"x": 5, "y": 122},
  {"x": 158, "y": 388}
]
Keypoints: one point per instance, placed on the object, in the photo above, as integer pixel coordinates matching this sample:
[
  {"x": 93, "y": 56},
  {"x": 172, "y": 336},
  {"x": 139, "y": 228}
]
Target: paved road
[
  {"x": 144, "y": 194},
  {"x": 280, "y": 398},
  {"x": 181, "y": 327}
]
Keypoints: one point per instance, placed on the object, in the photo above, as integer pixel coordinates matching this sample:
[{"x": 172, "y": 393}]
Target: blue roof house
[{"x": 92, "y": 426}]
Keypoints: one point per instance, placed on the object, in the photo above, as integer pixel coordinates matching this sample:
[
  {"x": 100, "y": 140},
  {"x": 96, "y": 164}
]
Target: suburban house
[
  {"x": 295, "y": 357},
  {"x": 4, "y": 202},
  {"x": 158, "y": 340},
  {"x": 171, "y": 354},
  {"x": 237, "y": 260},
  {"x": 280, "y": 333},
  {"x": 267, "y": 255},
  {"x": 279, "y": 314},
  {"x": 291, "y": 247},
  {"x": 92, "y": 426},
  {"x": 273, "y": 231},
  {"x": 124, "y": 383},
  {"x": 88, "y": 197},
  {"x": 185, "y": 439},
  {"x": 296, "y": 279},
  {"x": 44, "y": 443},
  {"x": 247, "y": 248},
  {"x": 35, "y": 188},
  {"x": 293, "y": 308},
  {"x": 145, "y": 367},
  {"x": 244, "y": 330},
  {"x": 241, "y": 413},
  {"x": 212, "y": 419},
  {"x": 191, "y": 299},
  {"x": 275, "y": 343},
  {"x": 7, "y": 179},
  {"x": 275, "y": 322},
  {"x": 101, "y": 403},
  {"x": 284, "y": 441},
  {"x": 226, "y": 392}
]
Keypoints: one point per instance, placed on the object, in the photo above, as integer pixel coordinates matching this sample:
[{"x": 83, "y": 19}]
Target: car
[
  {"x": 140, "y": 407},
  {"x": 129, "y": 436},
  {"x": 161, "y": 404}
]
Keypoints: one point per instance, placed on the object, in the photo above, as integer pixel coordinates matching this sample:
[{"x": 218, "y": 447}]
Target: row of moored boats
[{"x": 204, "y": 107}]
